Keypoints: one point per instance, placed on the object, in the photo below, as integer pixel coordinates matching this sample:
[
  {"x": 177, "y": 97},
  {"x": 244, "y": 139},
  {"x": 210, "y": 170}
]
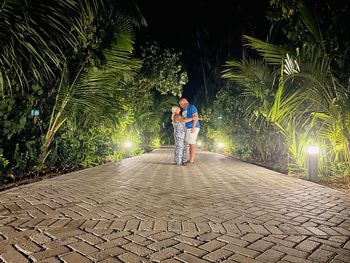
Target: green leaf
[{"x": 22, "y": 121}]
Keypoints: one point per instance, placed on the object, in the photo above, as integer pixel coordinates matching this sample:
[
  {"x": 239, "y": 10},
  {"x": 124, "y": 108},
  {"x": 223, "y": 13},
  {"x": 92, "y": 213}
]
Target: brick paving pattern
[{"x": 144, "y": 209}]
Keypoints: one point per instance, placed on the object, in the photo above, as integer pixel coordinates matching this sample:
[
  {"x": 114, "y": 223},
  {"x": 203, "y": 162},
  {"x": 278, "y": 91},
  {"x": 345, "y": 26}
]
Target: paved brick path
[{"x": 144, "y": 209}]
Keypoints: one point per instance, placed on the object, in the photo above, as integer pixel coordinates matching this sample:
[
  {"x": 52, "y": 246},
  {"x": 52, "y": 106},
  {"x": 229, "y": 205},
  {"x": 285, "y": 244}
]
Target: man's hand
[{"x": 193, "y": 129}]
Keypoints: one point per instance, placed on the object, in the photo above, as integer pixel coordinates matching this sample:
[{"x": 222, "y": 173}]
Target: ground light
[
  {"x": 312, "y": 153},
  {"x": 220, "y": 145},
  {"x": 199, "y": 143},
  {"x": 127, "y": 145}
]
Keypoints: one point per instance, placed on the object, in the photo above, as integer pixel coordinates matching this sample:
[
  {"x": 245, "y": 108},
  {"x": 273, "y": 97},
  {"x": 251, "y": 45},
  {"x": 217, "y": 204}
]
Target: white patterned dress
[{"x": 180, "y": 151}]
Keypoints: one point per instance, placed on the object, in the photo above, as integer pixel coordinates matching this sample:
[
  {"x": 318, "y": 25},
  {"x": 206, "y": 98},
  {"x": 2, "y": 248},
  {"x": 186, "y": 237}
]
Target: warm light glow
[
  {"x": 127, "y": 144},
  {"x": 199, "y": 143},
  {"x": 312, "y": 150},
  {"x": 220, "y": 145}
]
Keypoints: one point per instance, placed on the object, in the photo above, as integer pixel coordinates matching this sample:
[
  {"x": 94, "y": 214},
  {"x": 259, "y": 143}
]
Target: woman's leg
[
  {"x": 178, "y": 150},
  {"x": 181, "y": 150},
  {"x": 184, "y": 151},
  {"x": 175, "y": 151}
]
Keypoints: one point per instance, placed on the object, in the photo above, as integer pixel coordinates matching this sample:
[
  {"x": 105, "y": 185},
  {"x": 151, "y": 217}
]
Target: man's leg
[
  {"x": 192, "y": 142},
  {"x": 188, "y": 140},
  {"x": 192, "y": 152}
]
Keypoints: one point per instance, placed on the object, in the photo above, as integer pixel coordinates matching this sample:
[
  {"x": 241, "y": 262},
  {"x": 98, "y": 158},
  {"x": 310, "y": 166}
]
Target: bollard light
[
  {"x": 312, "y": 150},
  {"x": 220, "y": 145},
  {"x": 127, "y": 145},
  {"x": 312, "y": 162}
]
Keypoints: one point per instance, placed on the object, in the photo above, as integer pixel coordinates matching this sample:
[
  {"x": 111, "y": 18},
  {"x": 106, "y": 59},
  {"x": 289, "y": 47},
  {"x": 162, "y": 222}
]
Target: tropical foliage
[
  {"x": 73, "y": 88},
  {"x": 289, "y": 99}
]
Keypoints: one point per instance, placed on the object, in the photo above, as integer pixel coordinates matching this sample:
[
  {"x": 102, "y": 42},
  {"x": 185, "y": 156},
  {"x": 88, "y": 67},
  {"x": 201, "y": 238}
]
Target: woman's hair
[{"x": 173, "y": 112}]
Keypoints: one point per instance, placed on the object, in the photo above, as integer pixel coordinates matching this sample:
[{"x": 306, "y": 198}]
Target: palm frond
[
  {"x": 31, "y": 52},
  {"x": 271, "y": 53},
  {"x": 96, "y": 89},
  {"x": 310, "y": 21},
  {"x": 254, "y": 76}
]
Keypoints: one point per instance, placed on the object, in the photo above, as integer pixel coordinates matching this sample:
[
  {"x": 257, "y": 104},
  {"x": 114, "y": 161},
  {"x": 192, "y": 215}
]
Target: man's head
[{"x": 183, "y": 103}]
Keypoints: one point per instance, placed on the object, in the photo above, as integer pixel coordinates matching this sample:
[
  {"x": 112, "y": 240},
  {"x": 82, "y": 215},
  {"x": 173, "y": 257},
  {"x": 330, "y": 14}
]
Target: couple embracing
[{"x": 186, "y": 129}]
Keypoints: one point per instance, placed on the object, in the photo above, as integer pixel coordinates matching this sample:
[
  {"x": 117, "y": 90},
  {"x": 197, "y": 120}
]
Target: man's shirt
[{"x": 188, "y": 113}]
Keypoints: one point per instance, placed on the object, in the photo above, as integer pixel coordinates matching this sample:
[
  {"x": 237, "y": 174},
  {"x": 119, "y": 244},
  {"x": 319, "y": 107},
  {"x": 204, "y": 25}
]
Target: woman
[{"x": 180, "y": 152}]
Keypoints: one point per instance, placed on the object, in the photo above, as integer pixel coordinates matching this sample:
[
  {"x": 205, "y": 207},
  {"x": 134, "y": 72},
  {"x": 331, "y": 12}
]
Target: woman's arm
[{"x": 178, "y": 118}]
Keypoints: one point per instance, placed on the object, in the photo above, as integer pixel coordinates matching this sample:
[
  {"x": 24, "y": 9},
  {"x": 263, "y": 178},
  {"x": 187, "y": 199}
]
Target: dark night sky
[{"x": 218, "y": 25}]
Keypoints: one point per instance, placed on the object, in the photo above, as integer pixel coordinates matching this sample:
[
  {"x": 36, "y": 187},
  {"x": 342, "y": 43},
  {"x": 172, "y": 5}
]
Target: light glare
[
  {"x": 312, "y": 150},
  {"x": 221, "y": 145},
  {"x": 127, "y": 144}
]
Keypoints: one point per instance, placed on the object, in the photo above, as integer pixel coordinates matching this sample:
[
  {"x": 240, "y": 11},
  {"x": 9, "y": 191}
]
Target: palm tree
[
  {"x": 92, "y": 92},
  {"x": 308, "y": 104}
]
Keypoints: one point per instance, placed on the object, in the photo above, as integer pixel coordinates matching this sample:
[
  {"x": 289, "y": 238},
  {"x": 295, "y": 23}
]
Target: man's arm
[{"x": 194, "y": 122}]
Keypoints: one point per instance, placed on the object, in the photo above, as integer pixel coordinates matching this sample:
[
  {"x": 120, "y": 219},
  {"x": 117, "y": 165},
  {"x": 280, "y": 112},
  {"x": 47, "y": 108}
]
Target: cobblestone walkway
[{"x": 145, "y": 209}]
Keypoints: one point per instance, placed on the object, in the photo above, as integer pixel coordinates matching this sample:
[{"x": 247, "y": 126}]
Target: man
[{"x": 190, "y": 111}]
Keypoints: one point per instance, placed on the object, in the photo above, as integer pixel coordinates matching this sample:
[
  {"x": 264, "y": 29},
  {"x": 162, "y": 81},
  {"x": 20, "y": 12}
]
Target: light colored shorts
[{"x": 191, "y": 137}]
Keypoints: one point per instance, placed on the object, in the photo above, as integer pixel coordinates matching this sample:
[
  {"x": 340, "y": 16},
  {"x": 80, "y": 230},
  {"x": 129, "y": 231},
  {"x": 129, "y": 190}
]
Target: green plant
[{"x": 297, "y": 92}]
